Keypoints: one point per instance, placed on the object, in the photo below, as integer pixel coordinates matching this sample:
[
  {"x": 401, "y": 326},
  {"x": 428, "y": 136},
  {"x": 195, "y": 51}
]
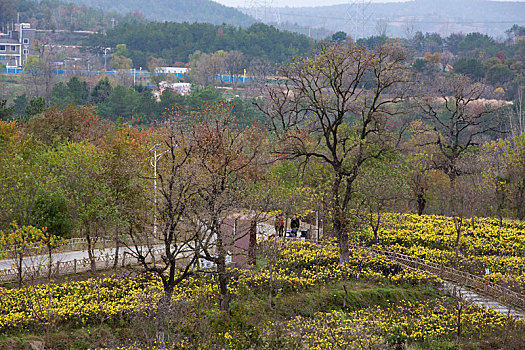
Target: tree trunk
[
  {"x": 344, "y": 253},
  {"x": 519, "y": 203},
  {"x": 421, "y": 203},
  {"x": 20, "y": 270},
  {"x": 224, "y": 296},
  {"x": 49, "y": 261},
  {"x": 338, "y": 223},
  {"x": 160, "y": 318},
  {"x": 458, "y": 323},
  {"x": 115, "y": 262},
  {"x": 270, "y": 267},
  {"x": 91, "y": 255},
  {"x": 252, "y": 258}
]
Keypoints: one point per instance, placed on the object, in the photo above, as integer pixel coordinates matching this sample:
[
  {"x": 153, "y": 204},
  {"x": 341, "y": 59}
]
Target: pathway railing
[
  {"x": 70, "y": 267},
  {"x": 458, "y": 277}
]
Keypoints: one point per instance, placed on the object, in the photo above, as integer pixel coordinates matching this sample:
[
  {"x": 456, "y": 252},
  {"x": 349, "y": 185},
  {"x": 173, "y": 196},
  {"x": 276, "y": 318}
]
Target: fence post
[
  {"x": 58, "y": 268},
  {"x": 124, "y": 259},
  {"x": 75, "y": 266}
]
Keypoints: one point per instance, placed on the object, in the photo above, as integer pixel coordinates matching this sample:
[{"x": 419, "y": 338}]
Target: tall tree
[
  {"x": 78, "y": 168},
  {"x": 460, "y": 118},
  {"x": 338, "y": 107},
  {"x": 225, "y": 159}
]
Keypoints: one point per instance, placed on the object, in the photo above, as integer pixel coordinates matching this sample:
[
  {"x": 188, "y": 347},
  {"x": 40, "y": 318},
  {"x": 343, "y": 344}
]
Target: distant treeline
[
  {"x": 174, "y": 42},
  {"x": 60, "y": 15},
  {"x": 175, "y": 10}
]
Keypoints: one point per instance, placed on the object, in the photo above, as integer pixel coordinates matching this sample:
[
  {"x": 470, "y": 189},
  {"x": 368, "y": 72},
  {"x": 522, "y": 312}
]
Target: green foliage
[
  {"x": 20, "y": 238},
  {"x": 188, "y": 11},
  {"x": 52, "y": 212},
  {"x": 476, "y": 42},
  {"x": 101, "y": 91},
  {"x": 61, "y": 15},
  {"x": 5, "y": 112},
  {"x": 421, "y": 65},
  {"x": 36, "y": 106},
  {"x": 470, "y": 67},
  {"x": 74, "y": 91},
  {"x": 177, "y": 41},
  {"x": 339, "y": 37},
  {"x": 121, "y": 103},
  {"x": 20, "y": 103}
]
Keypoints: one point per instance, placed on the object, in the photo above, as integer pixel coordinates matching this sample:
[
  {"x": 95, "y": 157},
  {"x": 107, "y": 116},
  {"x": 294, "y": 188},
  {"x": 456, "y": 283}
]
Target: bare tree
[
  {"x": 170, "y": 253},
  {"x": 339, "y": 107},
  {"x": 382, "y": 26},
  {"x": 457, "y": 113},
  {"x": 226, "y": 159},
  {"x": 260, "y": 69},
  {"x": 234, "y": 62}
]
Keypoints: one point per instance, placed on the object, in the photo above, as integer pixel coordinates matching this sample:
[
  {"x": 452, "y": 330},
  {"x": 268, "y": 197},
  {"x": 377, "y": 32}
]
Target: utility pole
[
  {"x": 153, "y": 163},
  {"x": 105, "y": 57}
]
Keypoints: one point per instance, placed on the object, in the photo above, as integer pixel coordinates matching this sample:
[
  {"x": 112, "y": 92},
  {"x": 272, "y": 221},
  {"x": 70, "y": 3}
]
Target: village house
[{"x": 16, "y": 45}]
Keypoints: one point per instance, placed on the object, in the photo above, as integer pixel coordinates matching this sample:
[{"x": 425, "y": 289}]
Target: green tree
[
  {"x": 59, "y": 95},
  {"x": 78, "y": 91},
  {"x": 470, "y": 67},
  {"x": 51, "y": 213},
  {"x": 101, "y": 91},
  {"x": 19, "y": 241},
  {"x": 6, "y": 112},
  {"x": 120, "y": 58},
  {"x": 120, "y": 103},
  {"x": 20, "y": 103},
  {"x": 78, "y": 169},
  {"x": 339, "y": 37},
  {"x": 36, "y": 106}
]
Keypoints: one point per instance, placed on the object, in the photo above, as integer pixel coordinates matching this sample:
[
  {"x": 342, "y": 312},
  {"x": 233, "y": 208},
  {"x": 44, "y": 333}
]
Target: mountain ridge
[
  {"x": 445, "y": 17},
  {"x": 174, "y": 10}
]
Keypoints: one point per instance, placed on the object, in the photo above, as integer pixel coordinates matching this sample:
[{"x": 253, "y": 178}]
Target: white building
[
  {"x": 179, "y": 71},
  {"x": 16, "y": 45}
]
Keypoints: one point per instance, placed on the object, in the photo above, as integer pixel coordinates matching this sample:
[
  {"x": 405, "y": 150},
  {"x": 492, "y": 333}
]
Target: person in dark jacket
[{"x": 294, "y": 224}]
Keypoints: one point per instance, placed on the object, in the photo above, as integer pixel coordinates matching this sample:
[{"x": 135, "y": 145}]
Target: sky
[{"x": 294, "y": 3}]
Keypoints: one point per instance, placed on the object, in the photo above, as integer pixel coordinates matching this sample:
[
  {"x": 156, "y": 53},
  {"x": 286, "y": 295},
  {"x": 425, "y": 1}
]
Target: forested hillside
[
  {"x": 60, "y": 15},
  {"x": 175, "y": 10},
  {"x": 176, "y": 41}
]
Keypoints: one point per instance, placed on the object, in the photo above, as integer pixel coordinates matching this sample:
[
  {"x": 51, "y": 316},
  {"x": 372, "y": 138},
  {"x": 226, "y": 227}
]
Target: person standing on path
[
  {"x": 277, "y": 225},
  {"x": 294, "y": 224}
]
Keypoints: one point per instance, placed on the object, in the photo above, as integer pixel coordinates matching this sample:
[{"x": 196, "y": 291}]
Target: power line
[{"x": 404, "y": 21}]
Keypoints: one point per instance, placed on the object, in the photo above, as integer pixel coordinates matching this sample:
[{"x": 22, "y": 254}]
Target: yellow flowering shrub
[{"x": 484, "y": 246}]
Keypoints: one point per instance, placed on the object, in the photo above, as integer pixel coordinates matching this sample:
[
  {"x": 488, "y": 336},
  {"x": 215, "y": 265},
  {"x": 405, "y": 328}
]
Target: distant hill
[
  {"x": 401, "y": 19},
  {"x": 174, "y": 10},
  {"x": 174, "y": 42}
]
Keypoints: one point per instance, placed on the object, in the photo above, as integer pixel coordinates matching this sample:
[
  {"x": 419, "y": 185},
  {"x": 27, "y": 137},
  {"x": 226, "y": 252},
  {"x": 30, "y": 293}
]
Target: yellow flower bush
[
  {"x": 397, "y": 324},
  {"x": 484, "y": 246},
  {"x": 290, "y": 268}
]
